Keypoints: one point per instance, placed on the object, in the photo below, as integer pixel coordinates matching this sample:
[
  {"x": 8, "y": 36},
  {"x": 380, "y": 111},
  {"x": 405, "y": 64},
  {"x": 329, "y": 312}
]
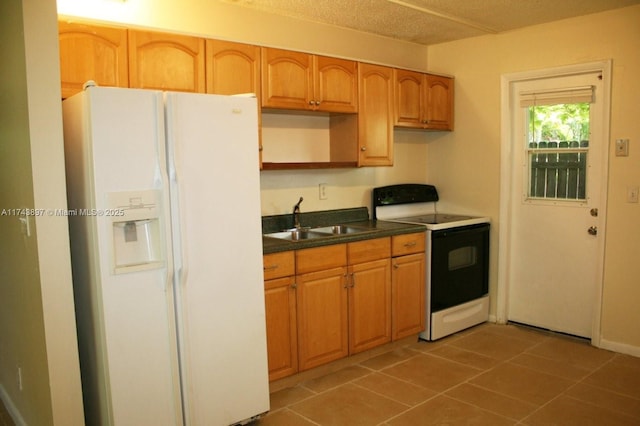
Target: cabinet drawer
[
  {"x": 408, "y": 243},
  {"x": 368, "y": 250},
  {"x": 319, "y": 258},
  {"x": 278, "y": 265}
]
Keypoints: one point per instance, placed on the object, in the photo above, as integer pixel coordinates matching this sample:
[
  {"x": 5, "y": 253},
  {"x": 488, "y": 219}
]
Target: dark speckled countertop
[{"x": 355, "y": 216}]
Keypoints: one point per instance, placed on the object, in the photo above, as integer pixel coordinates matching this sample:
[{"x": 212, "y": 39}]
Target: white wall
[
  {"x": 37, "y": 321},
  {"x": 470, "y": 176}
]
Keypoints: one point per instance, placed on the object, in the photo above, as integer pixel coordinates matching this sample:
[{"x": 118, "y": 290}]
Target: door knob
[{"x": 593, "y": 230}]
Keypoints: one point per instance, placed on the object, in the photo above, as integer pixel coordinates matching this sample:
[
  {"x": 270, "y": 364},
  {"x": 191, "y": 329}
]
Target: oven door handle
[{"x": 471, "y": 229}]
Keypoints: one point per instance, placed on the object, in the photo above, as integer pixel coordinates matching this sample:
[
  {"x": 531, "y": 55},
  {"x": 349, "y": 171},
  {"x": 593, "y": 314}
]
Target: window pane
[{"x": 557, "y": 146}]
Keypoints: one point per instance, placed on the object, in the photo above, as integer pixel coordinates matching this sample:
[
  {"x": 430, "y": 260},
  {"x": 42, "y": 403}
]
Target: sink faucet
[{"x": 296, "y": 214}]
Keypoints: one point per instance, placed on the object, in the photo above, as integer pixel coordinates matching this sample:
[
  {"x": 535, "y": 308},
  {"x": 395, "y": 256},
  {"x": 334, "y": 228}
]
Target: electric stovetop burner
[{"x": 435, "y": 218}]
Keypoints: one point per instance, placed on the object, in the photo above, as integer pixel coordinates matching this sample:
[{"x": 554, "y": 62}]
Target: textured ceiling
[{"x": 432, "y": 21}]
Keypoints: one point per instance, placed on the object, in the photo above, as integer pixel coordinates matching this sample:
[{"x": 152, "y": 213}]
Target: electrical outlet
[
  {"x": 322, "y": 191},
  {"x": 632, "y": 194}
]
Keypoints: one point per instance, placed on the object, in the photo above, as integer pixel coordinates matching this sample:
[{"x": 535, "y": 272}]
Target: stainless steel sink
[
  {"x": 303, "y": 234},
  {"x": 298, "y": 234},
  {"x": 342, "y": 229}
]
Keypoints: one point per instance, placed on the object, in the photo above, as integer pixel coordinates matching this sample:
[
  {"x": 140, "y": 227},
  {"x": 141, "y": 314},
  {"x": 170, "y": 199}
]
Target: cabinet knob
[
  {"x": 311, "y": 103},
  {"x": 294, "y": 285},
  {"x": 317, "y": 103},
  {"x": 396, "y": 266},
  {"x": 364, "y": 148}
]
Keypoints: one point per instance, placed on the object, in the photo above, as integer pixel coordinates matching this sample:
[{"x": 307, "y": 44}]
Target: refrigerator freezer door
[
  {"x": 114, "y": 142},
  {"x": 215, "y": 190}
]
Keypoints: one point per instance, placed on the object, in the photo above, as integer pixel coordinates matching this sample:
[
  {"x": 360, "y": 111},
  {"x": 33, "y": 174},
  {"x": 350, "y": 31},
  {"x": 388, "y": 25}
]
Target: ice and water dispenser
[{"x": 138, "y": 240}]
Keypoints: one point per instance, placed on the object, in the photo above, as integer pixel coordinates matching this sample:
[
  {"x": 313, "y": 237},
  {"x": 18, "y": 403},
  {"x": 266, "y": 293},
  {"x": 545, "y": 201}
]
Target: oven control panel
[{"x": 404, "y": 194}]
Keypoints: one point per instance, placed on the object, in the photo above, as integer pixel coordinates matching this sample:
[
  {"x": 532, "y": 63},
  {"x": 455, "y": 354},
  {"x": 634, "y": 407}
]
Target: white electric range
[{"x": 457, "y": 256}]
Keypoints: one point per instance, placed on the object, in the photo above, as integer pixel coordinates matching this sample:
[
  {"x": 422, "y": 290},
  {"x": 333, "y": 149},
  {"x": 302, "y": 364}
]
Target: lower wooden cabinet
[
  {"x": 369, "y": 305},
  {"x": 280, "y": 312},
  {"x": 282, "y": 334},
  {"x": 408, "y": 282},
  {"x": 322, "y": 317},
  {"x": 339, "y": 300},
  {"x": 408, "y": 295},
  {"x": 369, "y": 293}
]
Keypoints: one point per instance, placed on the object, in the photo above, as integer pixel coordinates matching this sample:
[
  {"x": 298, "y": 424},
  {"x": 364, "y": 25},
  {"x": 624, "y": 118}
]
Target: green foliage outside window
[{"x": 560, "y": 122}]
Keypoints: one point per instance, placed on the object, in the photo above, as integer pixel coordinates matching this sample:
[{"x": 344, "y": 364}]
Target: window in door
[{"x": 557, "y": 143}]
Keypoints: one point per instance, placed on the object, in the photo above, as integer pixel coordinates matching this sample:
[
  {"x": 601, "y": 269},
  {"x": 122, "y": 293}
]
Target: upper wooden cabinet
[
  {"x": 300, "y": 81},
  {"x": 423, "y": 101},
  {"x": 89, "y": 52},
  {"x": 335, "y": 84},
  {"x": 375, "y": 117},
  {"x": 232, "y": 68},
  {"x": 166, "y": 61},
  {"x": 439, "y": 102}
]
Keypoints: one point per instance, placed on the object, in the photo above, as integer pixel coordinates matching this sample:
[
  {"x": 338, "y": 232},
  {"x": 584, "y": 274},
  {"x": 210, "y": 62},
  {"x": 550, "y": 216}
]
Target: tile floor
[{"x": 488, "y": 375}]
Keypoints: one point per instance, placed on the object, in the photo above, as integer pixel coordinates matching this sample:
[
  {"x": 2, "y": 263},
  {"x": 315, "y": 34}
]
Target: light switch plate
[{"x": 622, "y": 147}]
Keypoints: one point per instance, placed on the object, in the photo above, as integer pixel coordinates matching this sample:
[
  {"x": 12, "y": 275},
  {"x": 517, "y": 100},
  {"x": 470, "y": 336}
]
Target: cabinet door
[
  {"x": 375, "y": 117},
  {"x": 409, "y": 99},
  {"x": 166, "y": 61},
  {"x": 282, "y": 340},
  {"x": 335, "y": 84},
  {"x": 286, "y": 79},
  {"x": 408, "y": 295},
  {"x": 232, "y": 68},
  {"x": 369, "y": 305},
  {"x": 89, "y": 52},
  {"x": 322, "y": 317},
  {"x": 439, "y": 102}
]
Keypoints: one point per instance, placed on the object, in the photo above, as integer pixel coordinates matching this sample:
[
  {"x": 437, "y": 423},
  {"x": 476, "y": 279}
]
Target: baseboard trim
[{"x": 622, "y": 348}]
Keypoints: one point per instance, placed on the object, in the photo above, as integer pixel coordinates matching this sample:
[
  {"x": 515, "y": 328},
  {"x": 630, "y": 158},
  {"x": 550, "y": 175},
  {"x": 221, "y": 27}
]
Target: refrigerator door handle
[{"x": 177, "y": 225}]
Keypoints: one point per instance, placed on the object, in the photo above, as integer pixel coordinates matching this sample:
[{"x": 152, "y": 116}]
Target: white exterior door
[{"x": 556, "y": 211}]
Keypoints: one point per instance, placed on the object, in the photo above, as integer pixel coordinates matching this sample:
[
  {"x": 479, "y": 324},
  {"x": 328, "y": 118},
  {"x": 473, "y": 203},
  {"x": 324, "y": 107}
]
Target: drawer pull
[
  {"x": 270, "y": 268},
  {"x": 410, "y": 244}
]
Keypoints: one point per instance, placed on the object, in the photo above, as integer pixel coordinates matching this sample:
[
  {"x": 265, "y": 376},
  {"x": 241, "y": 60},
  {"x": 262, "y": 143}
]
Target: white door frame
[{"x": 506, "y": 169}]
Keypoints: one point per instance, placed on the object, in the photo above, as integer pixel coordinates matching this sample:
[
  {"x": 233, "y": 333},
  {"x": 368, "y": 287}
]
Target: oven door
[{"x": 459, "y": 265}]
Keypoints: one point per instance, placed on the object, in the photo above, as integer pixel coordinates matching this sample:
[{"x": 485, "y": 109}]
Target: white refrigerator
[{"x": 164, "y": 213}]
